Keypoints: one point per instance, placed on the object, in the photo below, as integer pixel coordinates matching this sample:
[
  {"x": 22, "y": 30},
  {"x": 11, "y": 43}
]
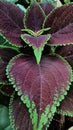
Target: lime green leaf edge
[{"x": 26, "y": 100}]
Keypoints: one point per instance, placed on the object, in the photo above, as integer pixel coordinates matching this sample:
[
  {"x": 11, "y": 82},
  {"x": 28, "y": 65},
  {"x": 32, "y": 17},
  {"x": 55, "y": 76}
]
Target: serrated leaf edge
[
  {"x": 28, "y": 9},
  {"x": 56, "y": 101}
]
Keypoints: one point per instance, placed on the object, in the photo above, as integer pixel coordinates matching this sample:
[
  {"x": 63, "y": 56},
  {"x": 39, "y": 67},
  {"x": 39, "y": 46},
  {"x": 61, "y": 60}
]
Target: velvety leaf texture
[
  {"x": 67, "y": 52},
  {"x": 34, "y": 17},
  {"x": 35, "y": 41},
  {"x": 11, "y": 22},
  {"x": 66, "y": 107},
  {"x": 59, "y": 18},
  {"x": 19, "y": 115},
  {"x": 41, "y": 86},
  {"x": 63, "y": 36},
  {"x": 47, "y": 7},
  {"x": 5, "y": 55}
]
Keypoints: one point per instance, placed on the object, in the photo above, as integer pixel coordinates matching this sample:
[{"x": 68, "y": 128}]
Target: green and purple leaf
[
  {"x": 66, "y": 107},
  {"x": 19, "y": 115},
  {"x": 66, "y": 52},
  {"x": 34, "y": 17},
  {"x": 5, "y": 55},
  {"x": 11, "y": 22},
  {"x": 37, "y": 43},
  {"x": 63, "y": 36},
  {"x": 47, "y": 7},
  {"x": 41, "y": 86},
  {"x": 59, "y": 18}
]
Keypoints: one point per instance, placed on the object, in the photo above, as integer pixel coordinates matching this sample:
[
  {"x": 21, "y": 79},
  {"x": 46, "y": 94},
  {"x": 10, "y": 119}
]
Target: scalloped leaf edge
[{"x": 26, "y": 100}]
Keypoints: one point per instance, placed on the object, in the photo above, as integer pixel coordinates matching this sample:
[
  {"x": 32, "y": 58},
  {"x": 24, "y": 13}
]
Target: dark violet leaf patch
[
  {"x": 41, "y": 86},
  {"x": 40, "y": 77}
]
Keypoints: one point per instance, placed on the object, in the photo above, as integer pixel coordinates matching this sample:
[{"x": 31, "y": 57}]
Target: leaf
[
  {"x": 4, "y": 43},
  {"x": 11, "y": 22},
  {"x": 34, "y": 17},
  {"x": 21, "y": 7},
  {"x": 12, "y": 1},
  {"x": 5, "y": 55},
  {"x": 63, "y": 36},
  {"x": 59, "y": 18},
  {"x": 66, "y": 107},
  {"x": 19, "y": 115},
  {"x": 37, "y": 43},
  {"x": 4, "y": 117},
  {"x": 67, "y": 53},
  {"x": 53, "y": 3},
  {"x": 47, "y": 7},
  {"x": 8, "y": 128},
  {"x": 41, "y": 86}
]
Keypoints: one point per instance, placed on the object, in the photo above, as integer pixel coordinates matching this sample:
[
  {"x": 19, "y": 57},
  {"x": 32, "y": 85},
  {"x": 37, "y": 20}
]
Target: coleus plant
[{"x": 34, "y": 49}]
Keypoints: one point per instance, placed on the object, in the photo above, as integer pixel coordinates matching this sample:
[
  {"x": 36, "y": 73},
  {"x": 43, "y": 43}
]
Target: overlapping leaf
[
  {"x": 66, "y": 107},
  {"x": 34, "y": 17},
  {"x": 41, "y": 86},
  {"x": 47, "y": 7},
  {"x": 11, "y": 22},
  {"x": 5, "y": 55},
  {"x": 67, "y": 53},
  {"x": 19, "y": 115},
  {"x": 37, "y": 43},
  {"x": 59, "y": 18},
  {"x": 63, "y": 36}
]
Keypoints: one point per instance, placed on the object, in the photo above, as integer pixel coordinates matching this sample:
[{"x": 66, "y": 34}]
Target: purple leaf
[
  {"x": 37, "y": 42},
  {"x": 59, "y": 18},
  {"x": 5, "y": 55},
  {"x": 67, "y": 53},
  {"x": 11, "y": 22},
  {"x": 63, "y": 36},
  {"x": 41, "y": 86},
  {"x": 19, "y": 115},
  {"x": 47, "y": 7},
  {"x": 66, "y": 107},
  {"x": 34, "y": 17}
]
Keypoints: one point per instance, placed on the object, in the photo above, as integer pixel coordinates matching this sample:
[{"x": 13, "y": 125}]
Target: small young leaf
[{"x": 37, "y": 43}]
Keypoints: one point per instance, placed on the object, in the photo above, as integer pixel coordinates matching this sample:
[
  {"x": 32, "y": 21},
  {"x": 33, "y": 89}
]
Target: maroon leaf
[
  {"x": 11, "y": 22},
  {"x": 66, "y": 107},
  {"x": 59, "y": 18},
  {"x": 66, "y": 52},
  {"x": 35, "y": 41},
  {"x": 19, "y": 115},
  {"x": 41, "y": 86},
  {"x": 34, "y": 17},
  {"x": 5, "y": 55},
  {"x": 63, "y": 36},
  {"x": 47, "y": 7}
]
